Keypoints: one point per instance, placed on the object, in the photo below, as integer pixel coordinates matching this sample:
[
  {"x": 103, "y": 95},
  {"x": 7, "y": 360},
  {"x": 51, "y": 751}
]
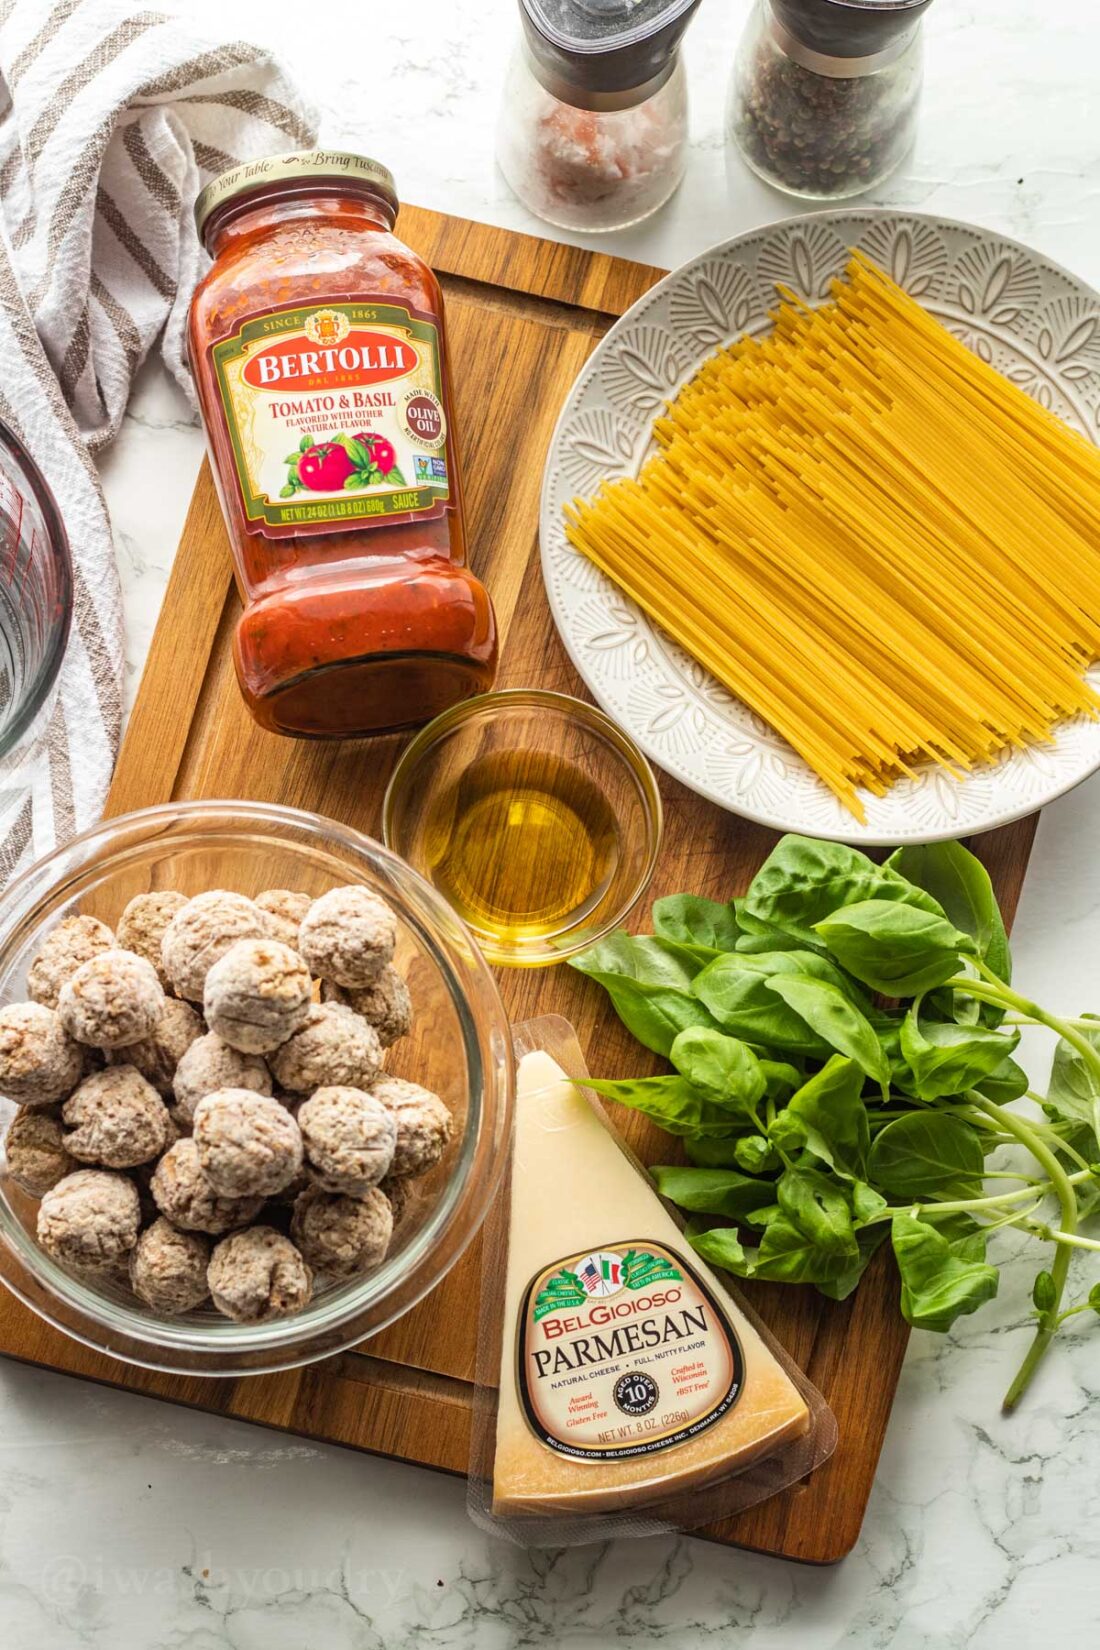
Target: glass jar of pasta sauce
[{"x": 319, "y": 353}]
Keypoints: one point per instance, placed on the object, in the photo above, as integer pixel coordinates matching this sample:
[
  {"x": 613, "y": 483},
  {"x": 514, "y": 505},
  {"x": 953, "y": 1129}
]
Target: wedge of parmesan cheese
[{"x": 628, "y": 1375}]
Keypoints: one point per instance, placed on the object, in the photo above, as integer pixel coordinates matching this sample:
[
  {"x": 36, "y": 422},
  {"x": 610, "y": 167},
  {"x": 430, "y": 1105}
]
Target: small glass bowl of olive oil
[{"x": 534, "y": 815}]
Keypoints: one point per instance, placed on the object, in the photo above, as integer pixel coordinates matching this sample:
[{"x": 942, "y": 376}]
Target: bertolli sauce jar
[{"x": 319, "y": 352}]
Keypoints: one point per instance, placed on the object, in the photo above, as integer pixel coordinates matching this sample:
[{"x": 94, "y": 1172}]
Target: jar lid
[
  {"x": 593, "y": 47},
  {"x": 849, "y": 28},
  {"x": 314, "y": 164}
]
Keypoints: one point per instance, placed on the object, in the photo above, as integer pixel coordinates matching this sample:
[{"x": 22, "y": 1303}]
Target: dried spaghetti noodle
[{"x": 870, "y": 537}]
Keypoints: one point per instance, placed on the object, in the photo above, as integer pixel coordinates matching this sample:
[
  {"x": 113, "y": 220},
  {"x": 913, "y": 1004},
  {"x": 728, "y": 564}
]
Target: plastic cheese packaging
[{"x": 621, "y": 1388}]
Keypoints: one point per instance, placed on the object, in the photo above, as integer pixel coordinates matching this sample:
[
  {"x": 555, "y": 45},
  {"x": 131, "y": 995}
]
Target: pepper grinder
[
  {"x": 824, "y": 94},
  {"x": 593, "y": 122}
]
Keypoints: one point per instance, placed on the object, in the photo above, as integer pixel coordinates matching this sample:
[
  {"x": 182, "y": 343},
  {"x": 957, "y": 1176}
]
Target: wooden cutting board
[{"x": 523, "y": 315}]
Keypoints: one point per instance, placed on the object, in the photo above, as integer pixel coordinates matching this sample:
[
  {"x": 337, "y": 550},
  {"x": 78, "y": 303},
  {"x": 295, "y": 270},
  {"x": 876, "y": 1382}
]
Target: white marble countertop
[{"x": 124, "y": 1522}]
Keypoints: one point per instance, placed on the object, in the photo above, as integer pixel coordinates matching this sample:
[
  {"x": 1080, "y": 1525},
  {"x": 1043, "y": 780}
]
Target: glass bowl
[
  {"x": 534, "y": 814},
  {"x": 460, "y": 1046},
  {"x": 36, "y": 602}
]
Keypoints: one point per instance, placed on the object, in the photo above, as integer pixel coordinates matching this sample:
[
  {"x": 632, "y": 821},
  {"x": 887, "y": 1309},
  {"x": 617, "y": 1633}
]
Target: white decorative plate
[{"x": 1032, "y": 320}]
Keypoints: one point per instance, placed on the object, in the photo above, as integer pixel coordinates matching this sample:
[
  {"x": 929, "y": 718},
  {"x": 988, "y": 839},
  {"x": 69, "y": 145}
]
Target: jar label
[
  {"x": 622, "y": 1352},
  {"x": 336, "y": 416}
]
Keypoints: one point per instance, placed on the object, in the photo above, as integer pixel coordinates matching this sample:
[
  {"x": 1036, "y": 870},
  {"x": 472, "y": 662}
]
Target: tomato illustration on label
[
  {"x": 323, "y": 468},
  {"x": 343, "y": 463}
]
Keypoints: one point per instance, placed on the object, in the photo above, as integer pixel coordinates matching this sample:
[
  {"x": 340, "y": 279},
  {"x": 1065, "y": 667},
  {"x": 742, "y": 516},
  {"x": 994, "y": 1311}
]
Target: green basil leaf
[
  {"x": 721, "y": 1247},
  {"x": 722, "y": 1068},
  {"x": 955, "y": 1005},
  {"x": 804, "y": 880},
  {"x": 787, "y": 1254},
  {"x": 649, "y": 982},
  {"x": 757, "y": 935},
  {"x": 648, "y": 958},
  {"x": 735, "y": 990},
  {"x": 964, "y": 1237},
  {"x": 750, "y": 1152},
  {"x": 691, "y": 920},
  {"x": 945, "y": 1058},
  {"x": 394, "y": 478},
  {"x": 788, "y": 1134},
  {"x": 1074, "y": 1092},
  {"x": 712, "y": 1191},
  {"x": 937, "y": 1286},
  {"x": 780, "y": 1079},
  {"x": 292, "y": 458},
  {"x": 754, "y": 1154},
  {"x": 832, "y": 1118},
  {"x": 837, "y": 1020},
  {"x": 737, "y": 996},
  {"x": 867, "y": 1204},
  {"x": 1007, "y": 1083},
  {"x": 287, "y": 492},
  {"x": 927, "y": 1157},
  {"x": 305, "y": 444},
  {"x": 818, "y": 1207},
  {"x": 868, "y": 1240},
  {"x": 654, "y": 1014},
  {"x": 896, "y": 949},
  {"x": 762, "y": 1218},
  {"x": 669, "y": 1101},
  {"x": 960, "y": 884},
  {"x": 714, "y": 1151}
]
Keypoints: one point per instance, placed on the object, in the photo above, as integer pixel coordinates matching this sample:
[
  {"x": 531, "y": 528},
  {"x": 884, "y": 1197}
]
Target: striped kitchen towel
[{"x": 118, "y": 116}]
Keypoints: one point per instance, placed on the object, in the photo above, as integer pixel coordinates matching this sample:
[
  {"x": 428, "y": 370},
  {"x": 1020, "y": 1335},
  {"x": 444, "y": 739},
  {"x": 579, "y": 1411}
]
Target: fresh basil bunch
[{"x": 842, "y": 1041}]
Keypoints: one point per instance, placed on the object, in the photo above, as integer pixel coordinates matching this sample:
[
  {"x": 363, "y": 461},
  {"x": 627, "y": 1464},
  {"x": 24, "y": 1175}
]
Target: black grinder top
[
  {"x": 849, "y": 28},
  {"x": 586, "y": 51}
]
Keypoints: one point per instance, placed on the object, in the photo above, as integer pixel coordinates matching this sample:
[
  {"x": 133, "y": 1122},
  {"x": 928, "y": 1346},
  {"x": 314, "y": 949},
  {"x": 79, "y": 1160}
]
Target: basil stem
[{"x": 1067, "y": 1200}]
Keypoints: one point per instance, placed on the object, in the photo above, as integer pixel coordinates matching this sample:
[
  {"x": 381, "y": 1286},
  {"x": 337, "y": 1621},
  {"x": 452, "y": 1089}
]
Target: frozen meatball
[
  {"x": 36, "y": 1154},
  {"x": 385, "y": 1005},
  {"x": 257, "y": 995},
  {"x": 201, "y": 932},
  {"x": 112, "y": 1000},
  {"x": 168, "y": 1268},
  {"x": 258, "y": 1275},
  {"x": 342, "y": 1235},
  {"x": 284, "y": 911},
  {"x": 348, "y": 936},
  {"x": 210, "y": 1064},
  {"x": 142, "y": 1177},
  {"x": 348, "y": 1138},
  {"x": 399, "y": 1193},
  {"x": 423, "y": 1125},
  {"x": 72, "y": 942},
  {"x": 288, "y": 1196},
  {"x": 39, "y": 1062},
  {"x": 142, "y": 926},
  {"x": 90, "y": 1220},
  {"x": 334, "y": 1046},
  {"x": 182, "y": 1192},
  {"x": 248, "y": 1145},
  {"x": 158, "y": 1055},
  {"x": 116, "y": 1118}
]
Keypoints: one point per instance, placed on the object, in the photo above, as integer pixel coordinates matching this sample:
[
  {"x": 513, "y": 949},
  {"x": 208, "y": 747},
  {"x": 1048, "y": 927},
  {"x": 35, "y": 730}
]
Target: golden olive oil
[{"x": 522, "y": 844}]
